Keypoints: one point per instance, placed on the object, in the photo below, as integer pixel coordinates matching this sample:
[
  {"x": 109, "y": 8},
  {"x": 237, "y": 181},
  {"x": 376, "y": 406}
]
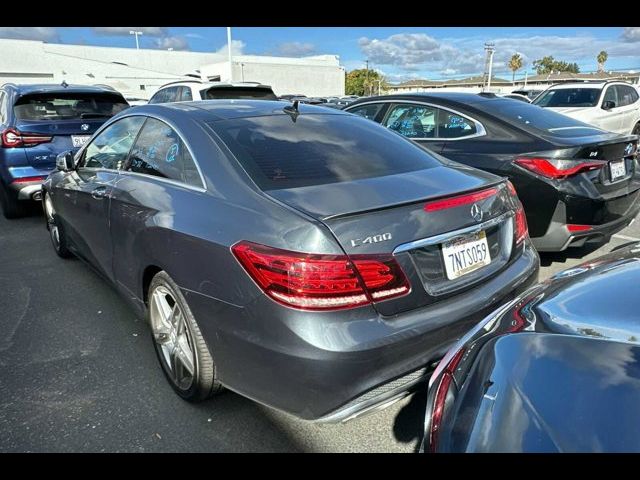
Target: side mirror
[
  {"x": 65, "y": 161},
  {"x": 608, "y": 105}
]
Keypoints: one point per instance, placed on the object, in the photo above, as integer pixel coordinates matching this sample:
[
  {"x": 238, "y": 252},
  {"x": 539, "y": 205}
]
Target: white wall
[{"x": 311, "y": 76}]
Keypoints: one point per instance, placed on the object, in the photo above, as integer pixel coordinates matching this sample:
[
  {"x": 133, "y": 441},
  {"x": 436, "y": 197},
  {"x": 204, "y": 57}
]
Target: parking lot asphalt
[{"x": 78, "y": 371}]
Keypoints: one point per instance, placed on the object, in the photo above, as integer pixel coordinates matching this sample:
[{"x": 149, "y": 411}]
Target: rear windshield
[
  {"x": 318, "y": 149},
  {"x": 569, "y": 97},
  {"x": 537, "y": 120},
  {"x": 238, "y": 92},
  {"x": 68, "y": 106}
]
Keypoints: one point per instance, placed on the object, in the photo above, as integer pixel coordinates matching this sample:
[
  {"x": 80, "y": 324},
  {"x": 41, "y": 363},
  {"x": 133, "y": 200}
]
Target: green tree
[
  {"x": 363, "y": 82},
  {"x": 548, "y": 64},
  {"x": 515, "y": 64},
  {"x": 602, "y": 58}
]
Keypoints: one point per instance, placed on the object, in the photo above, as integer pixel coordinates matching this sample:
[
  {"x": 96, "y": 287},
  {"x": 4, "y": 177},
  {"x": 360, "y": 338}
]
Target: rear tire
[
  {"x": 182, "y": 352},
  {"x": 636, "y": 129},
  {"x": 11, "y": 207},
  {"x": 56, "y": 232}
]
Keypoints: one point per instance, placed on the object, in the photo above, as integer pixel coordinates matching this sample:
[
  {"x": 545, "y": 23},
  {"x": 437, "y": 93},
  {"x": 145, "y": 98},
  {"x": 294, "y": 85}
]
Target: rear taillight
[
  {"x": 12, "y": 138},
  {"x": 321, "y": 282},
  {"x": 440, "y": 400},
  {"x": 579, "y": 228},
  {"x": 521, "y": 230},
  {"x": 39, "y": 178},
  {"x": 457, "y": 201},
  {"x": 558, "y": 169}
]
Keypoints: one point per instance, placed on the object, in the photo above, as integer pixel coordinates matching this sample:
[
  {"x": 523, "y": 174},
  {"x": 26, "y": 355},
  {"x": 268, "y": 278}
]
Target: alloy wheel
[
  {"x": 172, "y": 336},
  {"x": 50, "y": 212}
]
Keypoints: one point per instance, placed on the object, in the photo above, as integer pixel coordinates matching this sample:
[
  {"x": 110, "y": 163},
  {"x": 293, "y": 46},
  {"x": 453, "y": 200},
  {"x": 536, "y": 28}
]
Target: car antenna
[{"x": 293, "y": 110}]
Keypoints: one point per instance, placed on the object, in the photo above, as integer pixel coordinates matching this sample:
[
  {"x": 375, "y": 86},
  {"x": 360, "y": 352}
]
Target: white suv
[
  {"x": 612, "y": 106},
  {"x": 186, "y": 91}
]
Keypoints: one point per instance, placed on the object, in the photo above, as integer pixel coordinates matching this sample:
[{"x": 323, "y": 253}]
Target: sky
[{"x": 401, "y": 54}]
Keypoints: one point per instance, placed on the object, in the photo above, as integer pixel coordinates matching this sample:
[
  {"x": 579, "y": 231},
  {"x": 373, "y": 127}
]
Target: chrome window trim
[
  {"x": 202, "y": 188},
  {"x": 163, "y": 179},
  {"x": 445, "y": 237},
  {"x": 480, "y": 130}
]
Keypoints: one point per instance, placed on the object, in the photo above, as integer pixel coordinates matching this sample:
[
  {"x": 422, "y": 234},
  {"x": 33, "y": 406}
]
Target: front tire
[
  {"x": 56, "y": 232},
  {"x": 181, "y": 349},
  {"x": 636, "y": 129}
]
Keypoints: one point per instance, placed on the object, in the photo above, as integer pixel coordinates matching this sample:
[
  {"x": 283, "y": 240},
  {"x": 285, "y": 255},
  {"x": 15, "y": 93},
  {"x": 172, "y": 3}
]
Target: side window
[
  {"x": 111, "y": 147},
  {"x": 626, "y": 95},
  {"x": 611, "y": 95},
  {"x": 186, "y": 94},
  {"x": 368, "y": 111},
  {"x": 159, "y": 97},
  {"x": 452, "y": 125},
  {"x": 173, "y": 94},
  {"x": 160, "y": 152},
  {"x": 412, "y": 121}
]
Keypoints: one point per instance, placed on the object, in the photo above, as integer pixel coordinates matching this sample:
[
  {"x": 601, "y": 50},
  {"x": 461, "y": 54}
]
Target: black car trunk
[{"x": 387, "y": 215}]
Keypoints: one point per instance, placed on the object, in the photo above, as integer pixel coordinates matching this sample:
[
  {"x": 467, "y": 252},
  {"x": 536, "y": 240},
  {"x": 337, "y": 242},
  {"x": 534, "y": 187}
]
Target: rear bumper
[
  {"x": 27, "y": 191},
  {"x": 336, "y": 370},
  {"x": 559, "y": 238}
]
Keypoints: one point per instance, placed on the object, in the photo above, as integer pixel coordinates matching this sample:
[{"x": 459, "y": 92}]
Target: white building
[
  {"x": 315, "y": 76},
  {"x": 139, "y": 73}
]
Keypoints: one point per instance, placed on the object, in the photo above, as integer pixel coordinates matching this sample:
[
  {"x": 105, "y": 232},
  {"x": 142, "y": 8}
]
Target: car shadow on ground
[
  {"x": 409, "y": 422},
  {"x": 572, "y": 253}
]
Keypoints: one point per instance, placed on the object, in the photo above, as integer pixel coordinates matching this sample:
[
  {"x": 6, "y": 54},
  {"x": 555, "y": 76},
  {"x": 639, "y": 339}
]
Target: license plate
[
  {"x": 465, "y": 255},
  {"x": 618, "y": 170},
  {"x": 79, "y": 140}
]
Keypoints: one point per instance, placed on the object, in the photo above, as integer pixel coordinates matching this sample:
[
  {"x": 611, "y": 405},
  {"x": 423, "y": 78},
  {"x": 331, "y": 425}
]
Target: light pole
[
  {"x": 229, "y": 52},
  {"x": 366, "y": 81},
  {"x": 490, "y": 48},
  {"x": 242, "y": 67},
  {"x": 136, "y": 33}
]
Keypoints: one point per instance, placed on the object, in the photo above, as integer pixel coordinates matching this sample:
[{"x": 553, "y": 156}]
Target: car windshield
[
  {"x": 537, "y": 120},
  {"x": 238, "y": 93},
  {"x": 68, "y": 106},
  {"x": 278, "y": 151},
  {"x": 569, "y": 97}
]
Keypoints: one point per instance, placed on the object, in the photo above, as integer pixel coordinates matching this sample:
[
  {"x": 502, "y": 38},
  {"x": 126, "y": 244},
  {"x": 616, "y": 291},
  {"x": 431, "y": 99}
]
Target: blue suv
[{"x": 37, "y": 122}]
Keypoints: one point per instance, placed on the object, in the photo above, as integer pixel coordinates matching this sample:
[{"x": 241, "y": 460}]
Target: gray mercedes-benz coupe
[{"x": 304, "y": 257}]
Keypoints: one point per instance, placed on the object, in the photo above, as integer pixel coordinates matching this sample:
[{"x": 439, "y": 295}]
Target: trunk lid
[{"x": 387, "y": 215}]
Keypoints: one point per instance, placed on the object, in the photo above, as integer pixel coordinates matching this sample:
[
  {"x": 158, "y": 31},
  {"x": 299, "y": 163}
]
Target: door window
[
  {"x": 369, "y": 111},
  {"x": 626, "y": 95},
  {"x": 111, "y": 147},
  {"x": 413, "y": 121},
  {"x": 186, "y": 94},
  {"x": 160, "y": 152},
  {"x": 611, "y": 95}
]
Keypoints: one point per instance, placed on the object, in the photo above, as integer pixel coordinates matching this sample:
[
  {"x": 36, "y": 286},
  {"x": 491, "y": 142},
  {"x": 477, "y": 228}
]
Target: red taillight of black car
[
  {"x": 558, "y": 169},
  {"x": 521, "y": 228},
  {"x": 12, "y": 138},
  {"x": 321, "y": 282}
]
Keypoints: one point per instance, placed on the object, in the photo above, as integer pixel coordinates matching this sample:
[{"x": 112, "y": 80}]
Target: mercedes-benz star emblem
[
  {"x": 84, "y": 127},
  {"x": 476, "y": 212}
]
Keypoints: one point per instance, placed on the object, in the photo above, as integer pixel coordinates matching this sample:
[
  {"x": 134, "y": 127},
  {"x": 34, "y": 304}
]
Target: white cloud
[
  {"x": 417, "y": 52},
  {"x": 237, "y": 48},
  {"x": 45, "y": 34},
  {"x": 296, "y": 49},
  {"x": 151, "y": 31},
  {"x": 631, "y": 34},
  {"x": 176, "y": 43}
]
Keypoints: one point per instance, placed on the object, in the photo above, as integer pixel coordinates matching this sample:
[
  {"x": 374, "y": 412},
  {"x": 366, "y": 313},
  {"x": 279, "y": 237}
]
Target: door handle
[{"x": 99, "y": 193}]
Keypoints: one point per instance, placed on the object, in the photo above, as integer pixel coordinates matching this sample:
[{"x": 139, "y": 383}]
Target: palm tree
[
  {"x": 515, "y": 64},
  {"x": 602, "y": 58}
]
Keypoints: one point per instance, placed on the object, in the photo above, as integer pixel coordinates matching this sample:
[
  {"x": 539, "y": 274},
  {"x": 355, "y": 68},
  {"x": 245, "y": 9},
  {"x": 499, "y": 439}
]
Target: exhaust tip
[{"x": 37, "y": 196}]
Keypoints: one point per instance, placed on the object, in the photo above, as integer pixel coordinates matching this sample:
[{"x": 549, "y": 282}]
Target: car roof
[
  {"x": 588, "y": 84},
  {"x": 202, "y": 85},
  {"x": 24, "y": 89},
  {"x": 226, "y": 109},
  {"x": 445, "y": 97}
]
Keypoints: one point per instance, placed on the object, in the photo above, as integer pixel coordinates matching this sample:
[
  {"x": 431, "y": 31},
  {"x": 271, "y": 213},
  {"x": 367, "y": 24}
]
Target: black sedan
[
  {"x": 557, "y": 370},
  {"x": 577, "y": 183},
  {"x": 303, "y": 257}
]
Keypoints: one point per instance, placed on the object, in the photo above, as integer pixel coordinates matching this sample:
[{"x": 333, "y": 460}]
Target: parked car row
[{"x": 324, "y": 261}]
